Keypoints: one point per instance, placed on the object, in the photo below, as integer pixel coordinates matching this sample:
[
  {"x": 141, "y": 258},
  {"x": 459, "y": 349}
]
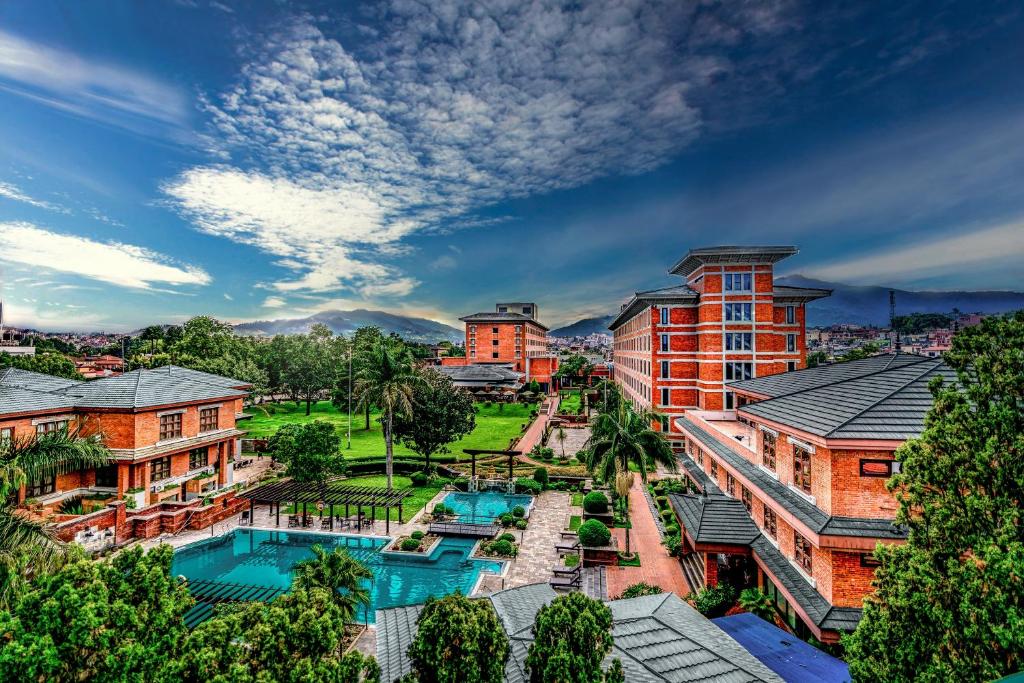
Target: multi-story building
[
  {"x": 171, "y": 431},
  {"x": 677, "y": 348},
  {"x": 791, "y": 483},
  {"x": 512, "y": 336}
]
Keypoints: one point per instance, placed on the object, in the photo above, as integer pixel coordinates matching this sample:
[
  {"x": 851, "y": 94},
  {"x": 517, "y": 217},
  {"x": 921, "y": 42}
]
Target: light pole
[{"x": 349, "y": 439}]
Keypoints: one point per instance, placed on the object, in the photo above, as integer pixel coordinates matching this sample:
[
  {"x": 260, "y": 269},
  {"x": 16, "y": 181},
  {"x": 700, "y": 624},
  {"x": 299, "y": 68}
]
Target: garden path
[{"x": 537, "y": 555}]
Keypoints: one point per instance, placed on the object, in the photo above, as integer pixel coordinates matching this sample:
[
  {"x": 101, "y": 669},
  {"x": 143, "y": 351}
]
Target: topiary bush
[
  {"x": 540, "y": 475},
  {"x": 667, "y": 515},
  {"x": 417, "y": 535},
  {"x": 672, "y": 529},
  {"x": 594, "y": 534},
  {"x": 410, "y": 544},
  {"x": 521, "y": 524},
  {"x": 674, "y": 545},
  {"x": 441, "y": 510},
  {"x": 524, "y": 485},
  {"x": 662, "y": 501},
  {"x": 714, "y": 601},
  {"x": 506, "y": 520},
  {"x": 419, "y": 478},
  {"x": 506, "y": 537},
  {"x": 595, "y": 502},
  {"x": 519, "y": 511},
  {"x": 502, "y": 547}
]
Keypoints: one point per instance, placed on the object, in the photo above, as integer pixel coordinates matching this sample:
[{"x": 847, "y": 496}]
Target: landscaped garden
[{"x": 570, "y": 402}]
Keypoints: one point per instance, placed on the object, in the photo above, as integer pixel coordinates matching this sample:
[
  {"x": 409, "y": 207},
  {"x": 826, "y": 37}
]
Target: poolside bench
[
  {"x": 566, "y": 581},
  {"x": 567, "y": 547},
  {"x": 566, "y": 571}
]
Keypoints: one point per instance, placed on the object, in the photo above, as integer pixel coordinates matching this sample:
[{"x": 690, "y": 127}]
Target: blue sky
[{"x": 267, "y": 159}]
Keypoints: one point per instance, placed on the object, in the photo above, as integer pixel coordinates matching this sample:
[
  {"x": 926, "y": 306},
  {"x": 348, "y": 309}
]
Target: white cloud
[
  {"x": 274, "y": 302},
  {"x": 116, "y": 263},
  {"x": 13, "y": 193},
  {"x": 95, "y": 89},
  {"x": 228, "y": 297},
  {"x": 1001, "y": 244},
  {"x": 443, "y": 262}
]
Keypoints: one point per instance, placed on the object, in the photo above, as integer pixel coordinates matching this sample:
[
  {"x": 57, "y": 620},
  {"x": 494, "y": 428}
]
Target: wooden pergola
[
  {"x": 473, "y": 452},
  {"x": 327, "y": 496}
]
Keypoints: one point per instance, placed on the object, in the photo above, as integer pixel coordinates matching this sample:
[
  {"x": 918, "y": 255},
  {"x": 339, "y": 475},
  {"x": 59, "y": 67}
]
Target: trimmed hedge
[
  {"x": 540, "y": 475},
  {"x": 410, "y": 544},
  {"x": 524, "y": 485},
  {"x": 419, "y": 478},
  {"x": 519, "y": 511},
  {"x": 417, "y": 535},
  {"x": 595, "y": 502},
  {"x": 521, "y": 524},
  {"x": 502, "y": 547},
  {"x": 506, "y": 537},
  {"x": 594, "y": 534}
]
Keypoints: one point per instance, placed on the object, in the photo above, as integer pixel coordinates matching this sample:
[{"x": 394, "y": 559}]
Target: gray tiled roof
[
  {"x": 817, "y": 608},
  {"x": 481, "y": 374},
  {"x": 657, "y": 638},
  {"x": 203, "y": 377},
  {"x": 889, "y": 403},
  {"x": 639, "y": 300},
  {"x": 697, "y": 473},
  {"x": 487, "y": 317},
  {"x": 147, "y": 388},
  {"x": 715, "y": 519},
  {"x": 18, "y": 400},
  {"x": 801, "y": 508},
  {"x": 26, "y": 379},
  {"x": 785, "y": 383},
  {"x": 785, "y": 293}
]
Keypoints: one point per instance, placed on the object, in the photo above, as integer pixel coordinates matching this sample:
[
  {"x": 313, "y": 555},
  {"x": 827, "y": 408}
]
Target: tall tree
[
  {"x": 314, "y": 363},
  {"x": 311, "y": 451},
  {"x": 50, "y": 363},
  {"x": 624, "y": 437},
  {"x": 458, "y": 640},
  {"x": 571, "y": 637},
  {"x": 949, "y": 604},
  {"x": 388, "y": 381},
  {"x": 340, "y": 574},
  {"x": 364, "y": 342},
  {"x": 441, "y": 413}
]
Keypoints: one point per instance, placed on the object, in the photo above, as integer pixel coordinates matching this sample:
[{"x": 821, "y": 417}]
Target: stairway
[{"x": 693, "y": 570}]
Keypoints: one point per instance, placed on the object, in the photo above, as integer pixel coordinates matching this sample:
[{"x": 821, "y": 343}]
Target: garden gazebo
[{"x": 327, "y": 496}]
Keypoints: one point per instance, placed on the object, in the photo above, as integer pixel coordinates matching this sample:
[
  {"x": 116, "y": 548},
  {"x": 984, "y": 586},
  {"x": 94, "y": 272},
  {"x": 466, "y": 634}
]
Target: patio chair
[
  {"x": 244, "y": 521},
  {"x": 325, "y": 523},
  {"x": 293, "y": 521}
]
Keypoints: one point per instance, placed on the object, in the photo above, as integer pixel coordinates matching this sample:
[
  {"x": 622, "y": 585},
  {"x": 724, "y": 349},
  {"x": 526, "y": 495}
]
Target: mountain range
[
  {"x": 346, "y": 322},
  {"x": 861, "y": 305}
]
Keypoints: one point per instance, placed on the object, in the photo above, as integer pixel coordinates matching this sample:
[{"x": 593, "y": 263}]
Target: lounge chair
[
  {"x": 567, "y": 571},
  {"x": 565, "y": 581},
  {"x": 567, "y": 546}
]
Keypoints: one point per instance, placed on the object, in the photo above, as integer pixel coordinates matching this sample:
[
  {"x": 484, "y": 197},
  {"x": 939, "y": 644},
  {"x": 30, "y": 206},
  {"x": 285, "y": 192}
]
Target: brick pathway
[
  {"x": 536, "y": 430},
  {"x": 656, "y": 567},
  {"x": 537, "y": 556}
]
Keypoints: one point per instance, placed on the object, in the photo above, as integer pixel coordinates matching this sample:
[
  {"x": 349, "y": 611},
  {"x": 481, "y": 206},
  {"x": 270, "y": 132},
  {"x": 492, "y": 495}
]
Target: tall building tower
[
  {"x": 511, "y": 335},
  {"x": 676, "y": 348}
]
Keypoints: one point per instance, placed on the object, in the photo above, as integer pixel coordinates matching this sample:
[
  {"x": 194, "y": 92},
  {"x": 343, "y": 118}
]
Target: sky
[{"x": 259, "y": 160}]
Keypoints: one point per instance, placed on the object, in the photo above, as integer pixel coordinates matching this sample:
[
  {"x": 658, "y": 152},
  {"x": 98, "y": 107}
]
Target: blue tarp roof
[{"x": 782, "y": 652}]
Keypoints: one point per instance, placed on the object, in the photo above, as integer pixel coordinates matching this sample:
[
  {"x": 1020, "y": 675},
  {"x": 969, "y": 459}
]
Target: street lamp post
[{"x": 349, "y": 439}]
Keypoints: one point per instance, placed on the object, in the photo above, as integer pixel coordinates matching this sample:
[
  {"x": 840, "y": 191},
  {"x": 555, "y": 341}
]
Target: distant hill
[
  {"x": 346, "y": 322},
  {"x": 585, "y": 327},
  {"x": 860, "y": 305}
]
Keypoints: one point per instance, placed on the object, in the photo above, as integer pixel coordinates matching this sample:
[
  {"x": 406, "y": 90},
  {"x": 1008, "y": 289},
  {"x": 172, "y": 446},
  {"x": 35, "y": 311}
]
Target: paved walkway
[
  {"x": 534, "y": 433},
  {"x": 537, "y": 556},
  {"x": 656, "y": 566}
]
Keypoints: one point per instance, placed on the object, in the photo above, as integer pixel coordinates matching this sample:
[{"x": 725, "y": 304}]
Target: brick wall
[{"x": 857, "y": 496}]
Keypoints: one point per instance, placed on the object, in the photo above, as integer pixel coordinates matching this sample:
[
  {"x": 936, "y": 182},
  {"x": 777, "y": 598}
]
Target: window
[
  {"x": 699, "y": 457},
  {"x": 160, "y": 468},
  {"x": 734, "y": 371},
  {"x": 664, "y": 396},
  {"x": 494, "y": 354},
  {"x": 519, "y": 354},
  {"x": 7, "y": 434},
  {"x": 49, "y": 427},
  {"x": 664, "y": 315},
  {"x": 790, "y": 366},
  {"x": 494, "y": 330},
  {"x": 730, "y": 400},
  {"x": 768, "y": 451},
  {"x": 107, "y": 476},
  {"x": 739, "y": 341},
  {"x": 472, "y": 353},
  {"x": 502, "y": 309},
  {"x": 714, "y": 470},
  {"x": 663, "y": 420},
  {"x": 868, "y": 560},
  {"x": 802, "y": 469},
  {"x": 664, "y": 342},
  {"x": 527, "y": 310},
  {"x": 198, "y": 457},
  {"x": 738, "y": 282},
  {"x": 41, "y": 486},
  {"x": 791, "y": 343},
  {"x": 878, "y": 468},
  {"x": 747, "y": 498},
  {"x": 208, "y": 419},
  {"x": 771, "y": 522},
  {"x": 738, "y": 312},
  {"x": 170, "y": 426},
  {"x": 730, "y": 484},
  {"x": 790, "y": 315},
  {"x": 664, "y": 369},
  {"x": 802, "y": 552}
]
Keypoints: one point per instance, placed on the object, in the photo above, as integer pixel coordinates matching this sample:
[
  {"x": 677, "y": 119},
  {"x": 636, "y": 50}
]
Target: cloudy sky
[{"x": 271, "y": 159}]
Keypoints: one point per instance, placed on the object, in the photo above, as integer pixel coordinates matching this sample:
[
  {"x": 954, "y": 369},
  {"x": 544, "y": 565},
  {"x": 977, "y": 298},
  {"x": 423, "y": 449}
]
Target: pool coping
[{"x": 528, "y": 506}]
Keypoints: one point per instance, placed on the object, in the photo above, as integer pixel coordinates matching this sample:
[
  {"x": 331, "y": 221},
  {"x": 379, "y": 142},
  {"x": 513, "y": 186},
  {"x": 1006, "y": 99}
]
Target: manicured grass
[
  {"x": 421, "y": 495},
  {"x": 495, "y": 426},
  {"x": 570, "y": 403},
  {"x": 572, "y": 560},
  {"x": 577, "y": 500},
  {"x": 574, "y": 522},
  {"x": 632, "y": 562}
]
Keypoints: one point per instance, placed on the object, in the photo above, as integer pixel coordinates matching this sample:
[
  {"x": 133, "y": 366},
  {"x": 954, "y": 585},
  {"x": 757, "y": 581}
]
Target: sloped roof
[
  {"x": 147, "y": 388},
  {"x": 785, "y": 383},
  {"x": 204, "y": 377},
  {"x": 481, "y": 374},
  {"x": 889, "y": 403},
  {"x": 717, "y": 519},
  {"x": 494, "y": 316},
  {"x": 697, "y": 473},
  {"x": 18, "y": 400},
  {"x": 804, "y": 294},
  {"x": 37, "y": 381},
  {"x": 782, "y": 652},
  {"x": 657, "y": 638},
  {"x": 694, "y": 258},
  {"x": 675, "y": 293}
]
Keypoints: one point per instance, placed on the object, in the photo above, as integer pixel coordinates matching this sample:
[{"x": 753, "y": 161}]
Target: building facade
[
  {"x": 678, "y": 347},
  {"x": 791, "y": 483}
]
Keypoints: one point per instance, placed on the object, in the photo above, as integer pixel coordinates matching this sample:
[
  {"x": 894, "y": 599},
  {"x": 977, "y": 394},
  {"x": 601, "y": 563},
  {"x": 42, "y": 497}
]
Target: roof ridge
[
  {"x": 901, "y": 387},
  {"x": 135, "y": 395},
  {"x": 838, "y": 381}
]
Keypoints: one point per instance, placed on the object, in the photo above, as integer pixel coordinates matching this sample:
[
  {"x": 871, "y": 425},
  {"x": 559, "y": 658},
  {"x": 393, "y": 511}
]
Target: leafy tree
[
  {"x": 441, "y": 413},
  {"x": 861, "y": 352},
  {"x": 572, "y": 367},
  {"x": 388, "y": 380},
  {"x": 458, "y": 640},
  {"x": 916, "y": 323},
  {"x": 314, "y": 361},
  {"x": 115, "y": 620},
  {"x": 340, "y": 574},
  {"x": 757, "y": 603},
  {"x": 297, "y": 638},
  {"x": 363, "y": 344},
  {"x": 50, "y": 363},
  {"x": 609, "y": 396},
  {"x": 948, "y": 604},
  {"x": 31, "y": 458},
  {"x": 816, "y": 358},
  {"x": 310, "y": 450},
  {"x": 571, "y": 637},
  {"x": 637, "y": 590}
]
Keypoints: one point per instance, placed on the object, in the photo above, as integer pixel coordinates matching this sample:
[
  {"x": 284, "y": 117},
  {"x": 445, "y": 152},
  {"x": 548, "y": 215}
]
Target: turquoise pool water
[
  {"x": 257, "y": 557},
  {"x": 484, "y": 507}
]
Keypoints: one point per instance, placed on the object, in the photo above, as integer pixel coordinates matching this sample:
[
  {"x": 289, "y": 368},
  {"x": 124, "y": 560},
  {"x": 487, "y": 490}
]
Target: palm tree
[
  {"x": 387, "y": 380},
  {"x": 623, "y": 437},
  {"x": 338, "y": 573},
  {"x": 27, "y": 459},
  {"x": 560, "y": 435}
]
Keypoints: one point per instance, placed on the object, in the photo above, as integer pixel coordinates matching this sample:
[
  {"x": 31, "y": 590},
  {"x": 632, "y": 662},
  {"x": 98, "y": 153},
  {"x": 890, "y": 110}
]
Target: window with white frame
[
  {"x": 739, "y": 341},
  {"x": 730, "y": 400},
  {"x": 664, "y": 342},
  {"x": 771, "y": 522},
  {"x": 802, "y": 552},
  {"x": 791, "y": 343},
  {"x": 664, "y": 396},
  {"x": 739, "y": 282},
  {"x": 790, "y": 366},
  {"x": 664, "y": 315},
  {"x": 7, "y": 434},
  {"x": 790, "y": 315},
  {"x": 739, "y": 312},
  {"x": 802, "y": 469},
  {"x": 52, "y": 426},
  {"x": 664, "y": 369},
  {"x": 768, "y": 450}
]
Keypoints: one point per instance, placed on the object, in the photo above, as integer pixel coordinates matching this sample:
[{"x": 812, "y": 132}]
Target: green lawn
[
  {"x": 577, "y": 500},
  {"x": 574, "y": 522},
  {"x": 570, "y": 403},
  {"x": 495, "y": 426},
  {"x": 421, "y": 495}
]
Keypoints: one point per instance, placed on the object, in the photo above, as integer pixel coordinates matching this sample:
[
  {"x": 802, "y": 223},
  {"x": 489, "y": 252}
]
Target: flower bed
[{"x": 416, "y": 543}]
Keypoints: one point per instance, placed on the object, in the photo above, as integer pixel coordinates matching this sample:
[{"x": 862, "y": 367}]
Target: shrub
[
  {"x": 506, "y": 537},
  {"x": 594, "y": 534},
  {"x": 458, "y": 639},
  {"x": 595, "y": 502},
  {"x": 672, "y": 529},
  {"x": 418, "y": 478},
  {"x": 540, "y": 475},
  {"x": 518, "y": 511},
  {"x": 524, "y": 485},
  {"x": 667, "y": 515},
  {"x": 410, "y": 544},
  {"x": 640, "y": 589},
  {"x": 662, "y": 501},
  {"x": 442, "y": 510},
  {"x": 757, "y": 603},
  {"x": 506, "y": 520},
  {"x": 520, "y": 524},
  {"x": 674, "y": 545},
  {"x": 418, "y": 535},
  {"x": 714, "y": 601},
  {"x": 502, "y": 547}
]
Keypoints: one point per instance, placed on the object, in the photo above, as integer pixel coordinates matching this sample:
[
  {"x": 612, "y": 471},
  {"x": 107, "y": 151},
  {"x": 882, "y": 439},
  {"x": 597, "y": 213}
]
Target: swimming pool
[
  {"x": 258, "y": 557},
  {"x": 485, "y": 506}
]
